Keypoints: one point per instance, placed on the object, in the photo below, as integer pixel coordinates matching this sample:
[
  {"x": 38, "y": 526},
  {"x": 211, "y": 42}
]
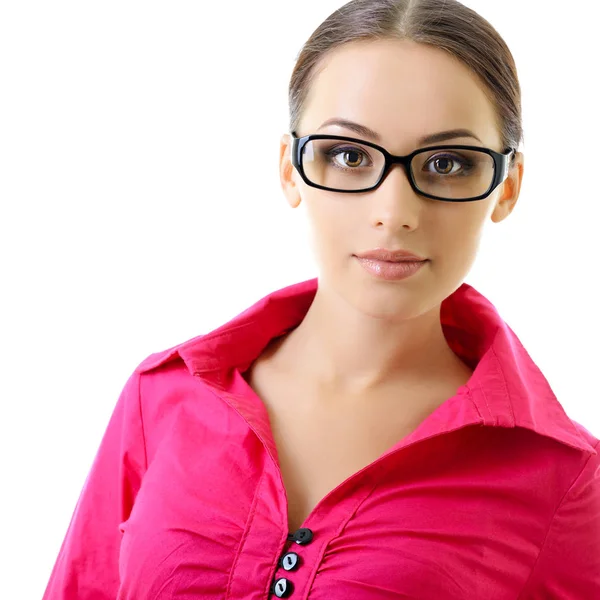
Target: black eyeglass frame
[{"x": 501, "y": 164}]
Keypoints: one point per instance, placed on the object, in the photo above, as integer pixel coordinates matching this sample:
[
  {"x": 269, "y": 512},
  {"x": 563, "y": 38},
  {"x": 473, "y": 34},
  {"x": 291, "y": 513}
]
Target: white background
[{"x": 141, "y": 206}]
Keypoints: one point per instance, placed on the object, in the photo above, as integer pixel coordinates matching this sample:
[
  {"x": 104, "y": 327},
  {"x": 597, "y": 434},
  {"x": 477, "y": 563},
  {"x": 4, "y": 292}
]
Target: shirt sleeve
[
  {"x": 568, "y": 566},
  {"x": 87, "y": 566}
]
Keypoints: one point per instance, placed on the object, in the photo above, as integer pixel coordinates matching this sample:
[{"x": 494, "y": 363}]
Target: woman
[{"x": 378, "y": 432}]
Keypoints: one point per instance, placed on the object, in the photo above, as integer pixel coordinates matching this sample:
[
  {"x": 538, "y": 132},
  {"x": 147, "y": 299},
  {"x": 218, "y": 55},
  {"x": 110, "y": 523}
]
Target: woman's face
[{"x": 403, "y": 91}]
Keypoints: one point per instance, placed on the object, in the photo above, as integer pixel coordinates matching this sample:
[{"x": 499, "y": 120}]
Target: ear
[
  {"x": 509, "y": 190},
  {"x": 287, "y": 172}
]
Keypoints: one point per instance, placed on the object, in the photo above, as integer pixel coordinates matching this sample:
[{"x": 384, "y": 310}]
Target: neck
[{"x": 342, "y": 349}]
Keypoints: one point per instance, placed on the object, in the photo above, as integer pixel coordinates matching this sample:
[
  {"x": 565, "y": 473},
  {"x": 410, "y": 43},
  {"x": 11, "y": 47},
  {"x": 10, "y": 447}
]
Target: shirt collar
[{"x": 506, "y": 387}]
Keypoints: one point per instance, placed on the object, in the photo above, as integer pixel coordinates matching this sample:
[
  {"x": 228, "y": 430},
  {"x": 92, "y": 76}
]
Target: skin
[{"x": 364, "y": 337}]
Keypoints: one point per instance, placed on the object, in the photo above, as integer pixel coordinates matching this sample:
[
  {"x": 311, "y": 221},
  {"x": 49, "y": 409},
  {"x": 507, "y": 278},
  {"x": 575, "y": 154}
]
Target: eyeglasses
[{"x": 448, "y": 173}]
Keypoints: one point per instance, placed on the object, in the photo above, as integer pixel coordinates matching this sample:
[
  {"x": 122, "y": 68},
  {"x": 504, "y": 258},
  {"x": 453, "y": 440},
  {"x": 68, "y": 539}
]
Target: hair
[{"x": 451, "y": 27}]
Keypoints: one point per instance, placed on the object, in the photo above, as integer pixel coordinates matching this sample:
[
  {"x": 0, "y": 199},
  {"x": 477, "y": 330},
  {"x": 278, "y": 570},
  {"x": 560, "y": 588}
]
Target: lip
[
  {"x": 391, "y": 270},
  {"x": 394, "y": 256}
]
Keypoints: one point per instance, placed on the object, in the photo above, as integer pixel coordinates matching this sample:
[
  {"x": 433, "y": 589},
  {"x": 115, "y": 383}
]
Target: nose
[
  {"x": 395, "y": 202},
  {"x": 397, "y": 171}
]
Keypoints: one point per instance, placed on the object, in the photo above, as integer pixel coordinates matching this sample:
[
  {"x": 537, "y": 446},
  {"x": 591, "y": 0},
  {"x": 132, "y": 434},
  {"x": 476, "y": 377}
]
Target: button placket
[
  {"x": 290, "y": 561},
  {"x": 301, "y": 536},
  {"x": 282, "y": 587}
]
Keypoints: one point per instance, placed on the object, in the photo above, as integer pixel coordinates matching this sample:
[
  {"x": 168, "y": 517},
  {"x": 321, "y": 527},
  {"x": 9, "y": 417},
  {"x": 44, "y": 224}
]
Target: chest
[
  {"x": 318, "y": 454},
  {"x": 456, "y": 516},
  {"x": 322, "y": 442}
]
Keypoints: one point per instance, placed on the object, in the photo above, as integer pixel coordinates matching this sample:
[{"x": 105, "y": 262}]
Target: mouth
[
  {"x": 391, "y": 270},
  {"x": 385, "y": 255},
  {"x": 393, "y": 262}
]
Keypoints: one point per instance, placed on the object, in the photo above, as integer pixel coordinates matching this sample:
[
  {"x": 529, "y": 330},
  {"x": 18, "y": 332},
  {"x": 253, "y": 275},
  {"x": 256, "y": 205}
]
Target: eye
[
  {"x": 445, "y": 163},
  {"x": 351, "y": 157}
]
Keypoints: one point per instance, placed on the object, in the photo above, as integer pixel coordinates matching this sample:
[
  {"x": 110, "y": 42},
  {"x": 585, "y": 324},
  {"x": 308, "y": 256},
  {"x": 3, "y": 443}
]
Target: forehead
[{"x": 401, "y": 89}]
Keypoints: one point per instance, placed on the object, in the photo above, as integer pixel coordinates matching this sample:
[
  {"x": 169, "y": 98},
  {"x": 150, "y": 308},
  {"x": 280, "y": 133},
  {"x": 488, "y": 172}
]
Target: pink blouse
[{"x": 496, "y": 494}]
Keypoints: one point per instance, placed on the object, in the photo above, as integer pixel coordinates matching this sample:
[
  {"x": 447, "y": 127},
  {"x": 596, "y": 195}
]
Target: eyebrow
[{"x": 433, "y": 138}]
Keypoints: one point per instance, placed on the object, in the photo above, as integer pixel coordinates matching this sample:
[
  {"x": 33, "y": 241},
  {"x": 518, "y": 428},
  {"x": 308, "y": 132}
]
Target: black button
[
  {"x": 282, "y": 588},
  {"x": 290, "y": 561},
  {"x": 301, "y": 536}
]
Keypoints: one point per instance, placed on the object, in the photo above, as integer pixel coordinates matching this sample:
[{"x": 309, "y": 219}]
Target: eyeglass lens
[{"x": 448, "y": 173}]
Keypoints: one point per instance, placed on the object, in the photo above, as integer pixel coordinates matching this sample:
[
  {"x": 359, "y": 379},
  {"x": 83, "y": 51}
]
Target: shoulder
[
  {"x": 157, "y": 359},
  {"x": 163, "y": 357},
  {"x": 569, "y": 558},
  {"x": 587, "y": 435}
]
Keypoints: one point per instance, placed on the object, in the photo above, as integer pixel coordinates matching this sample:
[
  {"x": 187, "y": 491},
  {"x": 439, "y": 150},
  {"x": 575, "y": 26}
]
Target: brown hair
[{"x": 452, "y": 27}]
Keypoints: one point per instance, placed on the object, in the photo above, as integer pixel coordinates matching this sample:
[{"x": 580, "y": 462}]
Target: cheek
[
  {"x": 454, "y": 235},
  {"x": 333, "y": 225},
  {"x": 459, "y": 247}
]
